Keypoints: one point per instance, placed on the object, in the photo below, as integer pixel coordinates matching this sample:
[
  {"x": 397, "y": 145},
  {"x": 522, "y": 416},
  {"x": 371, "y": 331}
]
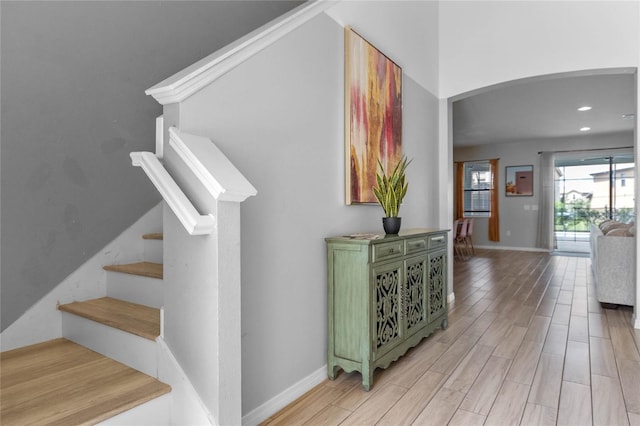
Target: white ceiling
[{"x": 543, "y": 109}]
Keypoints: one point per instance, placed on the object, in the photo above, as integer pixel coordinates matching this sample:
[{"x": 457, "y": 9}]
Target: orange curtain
[
  {"x": 459, "y": 190},
  {"x": 494, "y": 220}
]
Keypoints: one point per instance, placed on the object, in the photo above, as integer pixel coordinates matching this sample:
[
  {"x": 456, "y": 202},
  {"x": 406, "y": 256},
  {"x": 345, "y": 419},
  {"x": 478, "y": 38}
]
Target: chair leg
[
  {"x": 466, "y": 247},
  {"x": 459, "y": 244},
  {"x": 469, "y": 246}
]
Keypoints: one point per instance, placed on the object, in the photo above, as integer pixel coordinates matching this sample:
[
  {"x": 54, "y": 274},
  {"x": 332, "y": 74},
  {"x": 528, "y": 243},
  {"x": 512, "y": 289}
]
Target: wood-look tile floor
[
  {"x": 527, "y": 344},
  {"x": 59, "y": 382}
]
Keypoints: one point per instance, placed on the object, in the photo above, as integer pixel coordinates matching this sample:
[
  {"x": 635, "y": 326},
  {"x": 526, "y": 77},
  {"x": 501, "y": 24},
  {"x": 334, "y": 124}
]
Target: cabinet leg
[
  {"x": 367, "y": 378},
  {"x": 445, "y": 324},
  {"x": 332, "y": 372}
]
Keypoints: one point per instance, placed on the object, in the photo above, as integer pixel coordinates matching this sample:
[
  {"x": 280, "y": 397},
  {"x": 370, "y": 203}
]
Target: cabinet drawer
[
  {"x": 388, "y": 250},
  {"x": 437, "y": 241},
  {"x": 416, "y": 244}
]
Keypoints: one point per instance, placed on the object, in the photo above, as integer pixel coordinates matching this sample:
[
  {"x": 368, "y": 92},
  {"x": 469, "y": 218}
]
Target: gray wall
[
  {"x": 73, "y": 79},
  {"x": 279, "y": 118},
  {"x": 516, "y": 213}
]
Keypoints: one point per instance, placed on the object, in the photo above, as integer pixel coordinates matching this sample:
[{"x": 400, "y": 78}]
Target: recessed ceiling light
[
  {"x": 628, "y": 116},
  {"x": 584, "y": 108},
  {"x": 585, "y": 129}
]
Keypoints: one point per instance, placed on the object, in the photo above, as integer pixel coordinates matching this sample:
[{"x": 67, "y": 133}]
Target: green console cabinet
[{"x": 385, "y": 294}]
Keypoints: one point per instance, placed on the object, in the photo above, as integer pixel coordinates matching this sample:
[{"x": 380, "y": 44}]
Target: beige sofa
[{"x": 612, "y": 261}]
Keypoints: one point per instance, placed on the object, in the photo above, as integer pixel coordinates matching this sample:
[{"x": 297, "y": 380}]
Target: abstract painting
[{"x": 373, "y": 116}]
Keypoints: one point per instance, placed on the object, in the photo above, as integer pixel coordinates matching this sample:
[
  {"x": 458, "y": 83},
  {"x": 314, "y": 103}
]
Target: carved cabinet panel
[{"x": 387, "y": 305}]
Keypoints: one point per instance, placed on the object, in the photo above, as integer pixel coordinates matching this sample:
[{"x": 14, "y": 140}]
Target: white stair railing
[{"x": 193, "y": 222}]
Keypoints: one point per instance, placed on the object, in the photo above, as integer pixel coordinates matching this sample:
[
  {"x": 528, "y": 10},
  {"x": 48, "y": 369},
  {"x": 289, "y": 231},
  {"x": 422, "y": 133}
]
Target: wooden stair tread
[
  {"x": 60, "y": 382},
  {"x": 145, "y": 269},
  {"x": 141, "y": 320},
  {"x": 153, "y": 236}
]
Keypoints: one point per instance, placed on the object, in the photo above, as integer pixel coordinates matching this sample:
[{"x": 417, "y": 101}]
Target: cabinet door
[
  {"x": 437, "y": 299},
  {"x": 386, "y": 310},
  {"x": 415, "y": 293}
]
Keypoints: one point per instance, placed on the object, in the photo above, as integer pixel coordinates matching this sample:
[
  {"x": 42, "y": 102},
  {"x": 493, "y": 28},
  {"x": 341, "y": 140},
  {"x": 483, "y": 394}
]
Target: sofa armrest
[{"x": 614, "y": 269}]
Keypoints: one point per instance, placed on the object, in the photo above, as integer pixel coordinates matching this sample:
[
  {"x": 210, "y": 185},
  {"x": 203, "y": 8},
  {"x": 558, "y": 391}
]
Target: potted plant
[{"x": 391, "y": 189}]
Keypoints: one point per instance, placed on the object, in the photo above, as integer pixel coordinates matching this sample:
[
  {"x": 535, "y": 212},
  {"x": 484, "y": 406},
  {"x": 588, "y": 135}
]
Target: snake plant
[{"x": 391, "y": 187}]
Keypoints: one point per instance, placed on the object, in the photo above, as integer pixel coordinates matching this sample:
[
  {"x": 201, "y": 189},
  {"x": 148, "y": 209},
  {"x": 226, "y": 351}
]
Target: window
[{"x": 478, "y": 183}]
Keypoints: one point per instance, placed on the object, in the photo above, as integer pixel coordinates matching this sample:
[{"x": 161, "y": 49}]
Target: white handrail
[
  {"x": 221, "y": 178},
  {"x": 193, "y": 222}
]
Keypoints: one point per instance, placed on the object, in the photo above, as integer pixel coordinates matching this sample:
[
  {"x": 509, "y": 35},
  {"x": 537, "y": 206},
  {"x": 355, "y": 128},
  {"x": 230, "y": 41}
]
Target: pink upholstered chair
[
  {"x": 454, "y": 233},
  {"x": 469, "y": 240},
  {"x": 460, "y": 240}
]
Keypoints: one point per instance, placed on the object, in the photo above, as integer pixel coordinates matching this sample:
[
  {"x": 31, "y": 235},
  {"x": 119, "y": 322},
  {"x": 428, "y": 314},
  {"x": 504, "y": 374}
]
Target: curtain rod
[
  {"x": 473, "y": 161},
  {"x": 588, "y": 150}
]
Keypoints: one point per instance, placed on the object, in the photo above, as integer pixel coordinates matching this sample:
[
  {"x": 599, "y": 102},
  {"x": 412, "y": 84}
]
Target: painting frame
[
  {"x": 373, "y": 116},
  {"x": 518, "y": 181}
]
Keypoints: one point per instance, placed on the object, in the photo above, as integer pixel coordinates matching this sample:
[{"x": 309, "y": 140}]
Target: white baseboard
[
  {"x": 536, "y": 249},
  {"x": 636, "y": 321},
  {"x": 281, "y": 400},
  {"x": 186, "y": 406},
  {"x": 451, "y": 297}
]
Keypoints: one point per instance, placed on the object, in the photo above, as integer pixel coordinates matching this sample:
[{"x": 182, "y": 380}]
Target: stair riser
[
  {"x": 153, "y": 251},
  {"x": 135, "y": 288},
  {"x": 156, "y": 412},
  {"x": 129, "y": 349}
]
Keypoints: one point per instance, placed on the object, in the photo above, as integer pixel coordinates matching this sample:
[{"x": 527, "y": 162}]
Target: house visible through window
[{"x": 478, "y": 182}]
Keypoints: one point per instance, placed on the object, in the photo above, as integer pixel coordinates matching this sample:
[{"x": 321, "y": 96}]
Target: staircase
[{"x": 105, "y": 367}]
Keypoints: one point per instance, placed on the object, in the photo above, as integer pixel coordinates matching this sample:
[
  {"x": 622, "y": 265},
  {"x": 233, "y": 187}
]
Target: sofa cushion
[
  {"x": 606, "y": 227},
  {"x": 622, "y": 231},
  {"x": 604, "y": 223}
]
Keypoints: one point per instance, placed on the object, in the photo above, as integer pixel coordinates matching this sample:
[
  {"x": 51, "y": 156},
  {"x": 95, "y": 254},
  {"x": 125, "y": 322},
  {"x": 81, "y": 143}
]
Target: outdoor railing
[{"x": 577, "y": 219}]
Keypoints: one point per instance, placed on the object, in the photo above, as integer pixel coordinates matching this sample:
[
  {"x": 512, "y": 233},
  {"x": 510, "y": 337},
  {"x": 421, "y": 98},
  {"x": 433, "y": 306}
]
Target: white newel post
[
  {"x": 222, "y": 181},
  {"x": 229, "y": 315},
  {"x": 202, "y": 270}
]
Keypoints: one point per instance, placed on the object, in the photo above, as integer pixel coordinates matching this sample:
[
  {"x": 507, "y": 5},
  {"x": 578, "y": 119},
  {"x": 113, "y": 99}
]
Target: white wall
[
  {"x": 488, "y": 42},
  {"x": 279, "y": 118},
  {"x": 636, "y": 135},
  {"x": 514, "y": 214},
  {"x": 407, "y": 31}
]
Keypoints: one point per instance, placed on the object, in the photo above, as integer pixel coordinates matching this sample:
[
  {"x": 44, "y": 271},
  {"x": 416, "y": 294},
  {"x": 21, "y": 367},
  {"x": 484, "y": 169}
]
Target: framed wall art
[
  {"x": 373, "y": 116},
  {"x": 519, "y": 181}
]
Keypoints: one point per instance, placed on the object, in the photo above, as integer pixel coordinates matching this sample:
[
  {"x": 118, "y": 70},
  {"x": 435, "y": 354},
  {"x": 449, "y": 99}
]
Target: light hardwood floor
[
  {"x": 61, "y": 383},
  {"x": 527, "y": 344}
]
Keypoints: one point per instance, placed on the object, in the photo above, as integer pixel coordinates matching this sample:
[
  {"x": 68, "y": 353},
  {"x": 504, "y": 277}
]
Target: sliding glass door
[{"x": 590, "y": 187}]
